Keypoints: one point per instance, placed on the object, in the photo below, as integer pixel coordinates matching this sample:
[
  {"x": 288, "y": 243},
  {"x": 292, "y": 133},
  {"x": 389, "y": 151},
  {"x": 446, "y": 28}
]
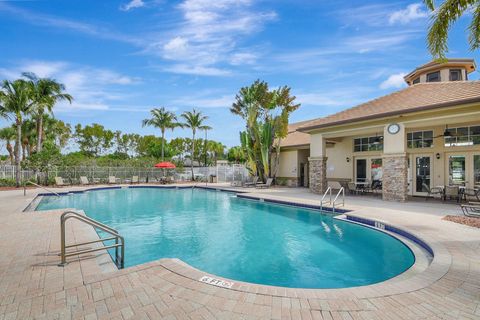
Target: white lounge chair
[
  {"x": 84, "y": 181},
  {"x": 265, "y": 185},
  {"x": 112, "y": 180},
  {"x": 60, "y": 183},
  {"x": 135, "y": 179},
  {"x": 251, "y": 184}
]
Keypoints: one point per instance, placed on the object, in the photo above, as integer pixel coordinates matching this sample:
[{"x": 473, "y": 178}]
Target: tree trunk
[
  {"x": 193, "y": 157},
  {"x": 18, "y": 155},
  {"x": 39, "y": 132},
  {"x": 163, "y": 145},
  {"x": 11, "y": 153}
]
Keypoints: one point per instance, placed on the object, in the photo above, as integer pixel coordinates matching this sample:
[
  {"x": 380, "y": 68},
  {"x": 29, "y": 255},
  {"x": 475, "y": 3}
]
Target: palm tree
[
  {"x": 195, "y": 121},
  {"x": 15, "y": 102},
  {"x": 7, "y": 134},
  {"x": 443, "y": 18},
  {"x": 46, "y": 93},
  {"x": 162, "y": 119}
]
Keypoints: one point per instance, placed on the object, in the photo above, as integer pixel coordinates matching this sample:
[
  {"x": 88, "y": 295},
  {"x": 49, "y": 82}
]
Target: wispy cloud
[
  {"x": 92, "y": 88},
  {"x": 67, "y": 24},
  {"x": 394, "y": 81},
  {"x": 206, "y": 99},
  {"x": 412, "y": 12},
  {"x": 208, "y": 34},
  {"x": 133, "y": 4}
]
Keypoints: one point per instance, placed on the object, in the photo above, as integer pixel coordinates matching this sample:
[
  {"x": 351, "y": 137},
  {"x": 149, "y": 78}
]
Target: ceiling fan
[{"x": 447, "y": 133}]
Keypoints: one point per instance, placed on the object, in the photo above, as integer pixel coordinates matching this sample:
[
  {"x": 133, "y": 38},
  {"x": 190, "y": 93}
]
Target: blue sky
[{"x": 121, "y": 58}]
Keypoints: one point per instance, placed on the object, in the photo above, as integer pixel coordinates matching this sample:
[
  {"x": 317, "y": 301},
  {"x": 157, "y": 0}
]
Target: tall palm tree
[
  {"x": 15, "y": 102},
  {"x": 195, "y": 121},
  {"x": 444, "y": 16},
  {"x": 7, "y": 134},
  {"x": 162, "y": 119},
  {"x": 46, "y": 93}
]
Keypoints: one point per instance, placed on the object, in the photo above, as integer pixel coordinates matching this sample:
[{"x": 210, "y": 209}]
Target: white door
[{"x": 422, "y": 174}]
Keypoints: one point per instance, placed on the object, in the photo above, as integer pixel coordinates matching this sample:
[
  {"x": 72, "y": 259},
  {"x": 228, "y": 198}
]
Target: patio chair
[
  {"x": 352, "y": 188},
  {"x": 472, "y": 193},
  {"x": 134, "y": 180},
  {"x": 471, "y": 209},
  {"x": 452, "y": 192},
  {"x": 432, "y": 191},
  {"x": 112, "y": 180},
  {"x": 251, "y": 184},
  {"x": 60, "y": 183},
  {"x": 266, "y": 185},
  {"x": 84, "y": 181}
]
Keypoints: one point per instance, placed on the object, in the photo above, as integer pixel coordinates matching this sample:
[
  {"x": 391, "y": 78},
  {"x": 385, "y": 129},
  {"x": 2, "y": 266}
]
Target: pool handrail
[
  {"x": 38, "y": 186},
  {"x": 340, "y": 192},
  {"x": 329, "y": 190},
  {"x": 119, "y": 240}
]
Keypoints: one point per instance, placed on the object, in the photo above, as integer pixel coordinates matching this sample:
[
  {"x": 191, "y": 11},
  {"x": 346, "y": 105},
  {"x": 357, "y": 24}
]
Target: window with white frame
[
  {"x": 463, "y": 136},
  {"x": 368, "y": 144},
  {"x": 420, "y": 139}
]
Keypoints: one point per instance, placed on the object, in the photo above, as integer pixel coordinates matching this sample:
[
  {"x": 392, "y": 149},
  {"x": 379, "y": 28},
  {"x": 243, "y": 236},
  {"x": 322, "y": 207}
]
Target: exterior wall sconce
[
  {"x": 348, "y": 159},
  {"x": 438, "y": 156}
]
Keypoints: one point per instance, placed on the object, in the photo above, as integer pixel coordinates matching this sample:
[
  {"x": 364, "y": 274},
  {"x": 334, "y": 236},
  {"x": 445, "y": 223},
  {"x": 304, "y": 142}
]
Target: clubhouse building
[{"x": 402, "y": 144}]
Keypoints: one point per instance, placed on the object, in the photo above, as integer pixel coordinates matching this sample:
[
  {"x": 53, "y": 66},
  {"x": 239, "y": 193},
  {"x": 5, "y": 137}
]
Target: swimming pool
[{"x": 241, "y": 239}]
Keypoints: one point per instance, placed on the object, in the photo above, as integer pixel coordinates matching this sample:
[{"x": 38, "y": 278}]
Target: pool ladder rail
[
  {"x": 38, "y": 186},
  {"x": 119, "y": 240},
  {"x": 328, "y": 192}
]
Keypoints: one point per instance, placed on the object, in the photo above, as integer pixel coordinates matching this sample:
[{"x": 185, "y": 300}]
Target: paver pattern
[{"x": 32, "y": 286}]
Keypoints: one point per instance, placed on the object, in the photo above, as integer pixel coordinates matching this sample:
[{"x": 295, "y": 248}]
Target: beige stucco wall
[
  {"x": 288, "y": 164},
  {"x": 444, "y": 74}
]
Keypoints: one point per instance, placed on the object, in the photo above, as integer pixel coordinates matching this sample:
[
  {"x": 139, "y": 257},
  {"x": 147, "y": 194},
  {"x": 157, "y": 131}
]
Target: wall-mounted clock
[{"x": 393, "y": 128}]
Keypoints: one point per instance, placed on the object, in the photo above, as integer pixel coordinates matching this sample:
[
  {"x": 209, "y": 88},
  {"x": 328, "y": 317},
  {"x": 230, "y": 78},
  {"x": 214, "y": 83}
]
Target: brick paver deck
[{"x": 32, "y": 286}]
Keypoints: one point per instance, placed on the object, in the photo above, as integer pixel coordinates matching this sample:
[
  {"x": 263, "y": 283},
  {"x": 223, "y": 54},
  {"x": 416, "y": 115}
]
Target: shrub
[{"x": 7, "y": 182}]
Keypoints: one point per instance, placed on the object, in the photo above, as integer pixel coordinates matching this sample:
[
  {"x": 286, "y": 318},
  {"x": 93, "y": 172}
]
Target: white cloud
[
  {"x": 91, "y": 88},
  {"x": 44, "y": 20},
  {"x": 394, "y": 81},
  {"x": 243, "y": 58},
  {"x": 410, "y": 13},
  {"x": 208, "y": 35},
  {"x": 197, "y": 70},
  {"x": 224, "y": 101},
  {"x": 133, "y": 4}
]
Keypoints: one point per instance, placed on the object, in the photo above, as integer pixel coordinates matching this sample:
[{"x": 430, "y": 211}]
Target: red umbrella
[{"x": 165, "y": 165}]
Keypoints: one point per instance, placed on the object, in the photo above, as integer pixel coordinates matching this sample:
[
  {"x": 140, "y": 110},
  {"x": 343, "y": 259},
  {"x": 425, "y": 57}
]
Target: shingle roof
[
  {"x": 295, "y": 138},
  {"x": 418, "y": 97}
]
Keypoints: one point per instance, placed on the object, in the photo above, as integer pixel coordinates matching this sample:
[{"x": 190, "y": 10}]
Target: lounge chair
[
  {"x": 472, "y": 193},
  {"x": 251, "y": 184},
  {"x": 432, "y": 191},
  {"x": 84, "y": 181},
  {"x": 60, "y": 183},
  {"x": 265, "y": 185},
  {"x": 472, "y": 209},
  {"x": 452, "y": 192},
  {"x": 112, "y": 180},
  {"x": 134, "y": 180},
  {"x": 352, "y": 188}
]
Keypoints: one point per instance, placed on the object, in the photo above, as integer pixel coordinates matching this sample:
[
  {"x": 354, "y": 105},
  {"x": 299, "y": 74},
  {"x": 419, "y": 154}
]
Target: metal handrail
[
  {"x": 329, "y": 189},
  {"x": 37, "y": 185},
  {"x": 340, "y": 192},
  {"x": 119, "y": 240}
]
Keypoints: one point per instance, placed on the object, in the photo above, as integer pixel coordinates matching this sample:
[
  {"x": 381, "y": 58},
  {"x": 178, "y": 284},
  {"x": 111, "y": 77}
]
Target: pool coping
[{"x": 437, "y": 268}]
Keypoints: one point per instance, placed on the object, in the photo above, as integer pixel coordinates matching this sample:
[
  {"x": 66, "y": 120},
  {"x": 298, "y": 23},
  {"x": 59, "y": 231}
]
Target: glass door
[
  {"x": 376, "y": 173},
  {"x": 456, "y": 170},
  {"x": 361, "y": 170},
  {"x": 422, "y": 171},
  {"x": 476, "y": 171}
]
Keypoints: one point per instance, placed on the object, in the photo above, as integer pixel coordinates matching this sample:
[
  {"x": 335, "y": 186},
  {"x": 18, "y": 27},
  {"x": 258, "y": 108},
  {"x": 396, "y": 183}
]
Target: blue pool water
[{"x": 242, "y": 239}]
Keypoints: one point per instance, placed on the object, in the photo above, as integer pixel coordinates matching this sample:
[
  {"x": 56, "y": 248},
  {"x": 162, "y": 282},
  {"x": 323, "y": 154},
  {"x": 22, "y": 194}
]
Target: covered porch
[{"x": 401, "y": 157}]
